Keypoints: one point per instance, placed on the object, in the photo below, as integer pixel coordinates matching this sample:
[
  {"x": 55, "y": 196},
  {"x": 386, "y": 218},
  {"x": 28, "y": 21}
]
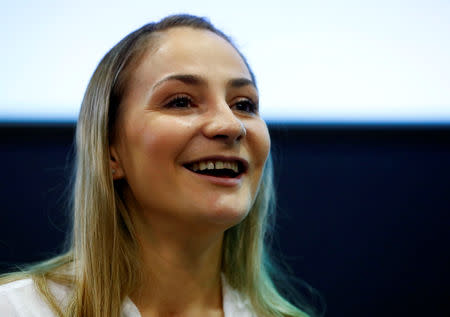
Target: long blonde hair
[{"x": 101, "y": 265}]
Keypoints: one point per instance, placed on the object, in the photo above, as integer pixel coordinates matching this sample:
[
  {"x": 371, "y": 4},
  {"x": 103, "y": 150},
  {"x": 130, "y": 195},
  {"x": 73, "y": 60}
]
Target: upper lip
[{"x": 243, "y": 162}]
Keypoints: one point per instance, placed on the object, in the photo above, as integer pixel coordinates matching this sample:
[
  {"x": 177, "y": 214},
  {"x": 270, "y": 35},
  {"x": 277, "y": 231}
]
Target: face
[{"x": 190, "y": 142}]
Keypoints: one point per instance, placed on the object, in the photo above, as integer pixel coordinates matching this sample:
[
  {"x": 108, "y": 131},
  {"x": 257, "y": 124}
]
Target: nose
[{"x": 223, "y": 124}]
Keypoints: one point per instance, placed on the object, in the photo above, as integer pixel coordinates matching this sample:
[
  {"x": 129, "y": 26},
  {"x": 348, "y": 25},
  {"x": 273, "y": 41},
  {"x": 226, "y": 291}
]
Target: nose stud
[{"x": 243, "y": 130}]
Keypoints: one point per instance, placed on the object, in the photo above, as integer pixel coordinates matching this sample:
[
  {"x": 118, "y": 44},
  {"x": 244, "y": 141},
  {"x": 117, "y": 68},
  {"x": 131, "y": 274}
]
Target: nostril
[
  {"x": 228, "y": 137},
  {"x": 221, "y": 136}
]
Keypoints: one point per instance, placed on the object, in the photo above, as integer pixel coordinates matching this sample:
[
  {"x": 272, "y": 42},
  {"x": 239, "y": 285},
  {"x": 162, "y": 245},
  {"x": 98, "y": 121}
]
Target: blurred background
[{"x": 357, "y": 98}]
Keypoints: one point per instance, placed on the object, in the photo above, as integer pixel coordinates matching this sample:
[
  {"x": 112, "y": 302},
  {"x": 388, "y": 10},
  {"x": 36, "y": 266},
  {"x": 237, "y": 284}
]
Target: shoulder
[
  {"x": 21, "y": 298},
  {"x": 235, "y": 303}
]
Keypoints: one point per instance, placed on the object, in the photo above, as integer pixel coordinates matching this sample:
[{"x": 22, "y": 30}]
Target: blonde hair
[{"x": 102, "y": 264}]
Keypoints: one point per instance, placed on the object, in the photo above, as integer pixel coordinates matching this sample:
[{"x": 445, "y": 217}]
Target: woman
[{"x": 173, "y": 188}]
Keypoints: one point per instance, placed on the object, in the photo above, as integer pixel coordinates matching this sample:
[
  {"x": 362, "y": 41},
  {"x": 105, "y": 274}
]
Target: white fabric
[{"x": 21, "y": 299}]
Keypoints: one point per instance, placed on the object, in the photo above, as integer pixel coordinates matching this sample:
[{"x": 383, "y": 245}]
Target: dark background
[{"x": 363, "y": 217}]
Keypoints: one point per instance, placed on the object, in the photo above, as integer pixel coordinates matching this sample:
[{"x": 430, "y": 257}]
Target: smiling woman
[{"x": 173, "y": 188}]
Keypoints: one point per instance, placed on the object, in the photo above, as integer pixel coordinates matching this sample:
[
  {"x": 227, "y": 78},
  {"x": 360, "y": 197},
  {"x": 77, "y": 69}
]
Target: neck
[{"x": 181, "y": 269}]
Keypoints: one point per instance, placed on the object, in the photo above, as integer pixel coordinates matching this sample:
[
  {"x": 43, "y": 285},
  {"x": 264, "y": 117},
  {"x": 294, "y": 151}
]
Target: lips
[{"x": 224, "y": 167}]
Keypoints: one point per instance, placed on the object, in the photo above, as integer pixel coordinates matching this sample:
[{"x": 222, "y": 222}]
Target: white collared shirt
[{"x": 21, "y": 299}]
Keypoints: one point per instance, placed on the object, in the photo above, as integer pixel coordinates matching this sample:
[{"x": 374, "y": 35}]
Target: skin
[{"x": 180, "y": 217}]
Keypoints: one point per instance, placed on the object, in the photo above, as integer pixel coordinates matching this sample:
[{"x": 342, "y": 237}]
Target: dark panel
[
  {"x": 34, "y": 191},
  {"x": 364, "y": 211},
  {"x": 365, "y": 215}
]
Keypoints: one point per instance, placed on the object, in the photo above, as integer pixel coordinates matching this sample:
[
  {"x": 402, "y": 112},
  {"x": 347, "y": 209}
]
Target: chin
[{"x": 228, "y": 216}]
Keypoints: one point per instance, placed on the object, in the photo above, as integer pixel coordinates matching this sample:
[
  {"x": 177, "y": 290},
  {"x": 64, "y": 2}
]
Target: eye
[
  {"x": 179, "y": 102},
  {"x": 246, "y": 105}
]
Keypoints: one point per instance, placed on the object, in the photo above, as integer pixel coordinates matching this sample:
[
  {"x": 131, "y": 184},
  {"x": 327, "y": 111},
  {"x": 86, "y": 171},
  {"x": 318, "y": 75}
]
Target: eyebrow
[
  {"x": 241, "y": 82},
  {"x": 195, "y": 80}
]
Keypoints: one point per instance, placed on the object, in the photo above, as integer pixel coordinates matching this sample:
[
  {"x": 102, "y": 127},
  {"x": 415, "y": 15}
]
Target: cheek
[
  {"x": 259, "y": 140},
  {"x": 259, "y": 144},
  {"x": 160, "y": 137}
]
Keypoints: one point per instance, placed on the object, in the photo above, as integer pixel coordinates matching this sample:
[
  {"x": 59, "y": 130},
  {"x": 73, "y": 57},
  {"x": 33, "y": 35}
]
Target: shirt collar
[{"x": 234, "y": 304}]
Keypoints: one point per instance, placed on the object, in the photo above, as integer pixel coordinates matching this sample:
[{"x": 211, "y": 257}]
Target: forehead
[{"x": 191, "y": 51}]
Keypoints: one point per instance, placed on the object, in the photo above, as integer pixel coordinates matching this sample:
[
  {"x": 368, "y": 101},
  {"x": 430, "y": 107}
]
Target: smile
[{"x": 218, "y": 167}]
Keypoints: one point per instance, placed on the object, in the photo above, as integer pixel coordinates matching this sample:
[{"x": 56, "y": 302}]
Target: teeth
[{"x": 210, "y": 165}]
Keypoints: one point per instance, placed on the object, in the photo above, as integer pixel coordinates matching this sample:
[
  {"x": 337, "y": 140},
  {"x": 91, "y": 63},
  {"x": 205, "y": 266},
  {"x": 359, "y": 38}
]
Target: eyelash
[
  {"x": 250, "y": 106},
  {"x": 175, "y": 102}
]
